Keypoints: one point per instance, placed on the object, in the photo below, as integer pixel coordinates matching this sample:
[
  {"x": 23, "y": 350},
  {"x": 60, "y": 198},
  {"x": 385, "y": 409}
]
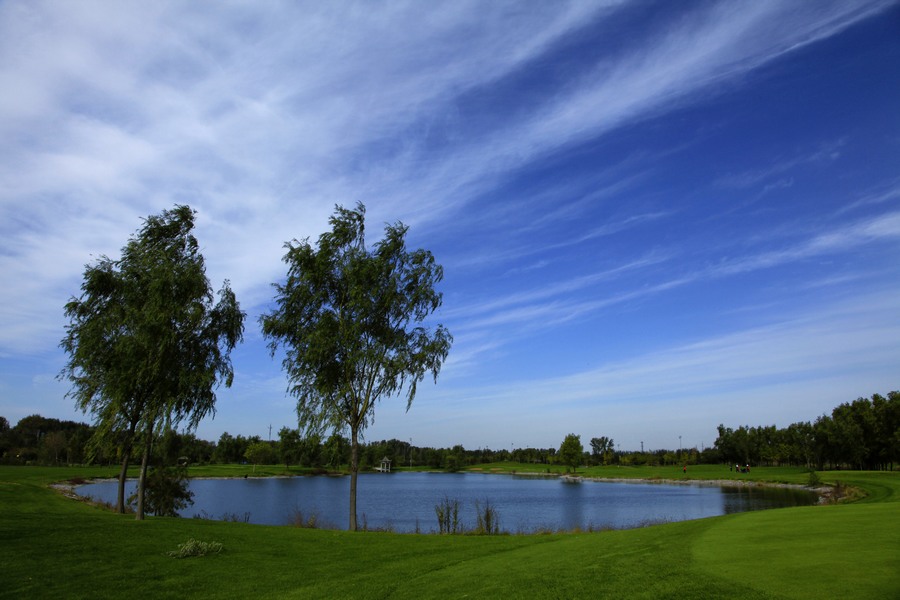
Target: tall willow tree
[
  {"x": 147, "y": 342},
  {"x": 350, "y": 321}
]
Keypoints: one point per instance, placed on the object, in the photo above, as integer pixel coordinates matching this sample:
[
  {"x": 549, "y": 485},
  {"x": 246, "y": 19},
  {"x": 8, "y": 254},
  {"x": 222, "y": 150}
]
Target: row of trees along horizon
[
  {"x": 149, "y": 342},
  {"x": 862, "y": 434}
]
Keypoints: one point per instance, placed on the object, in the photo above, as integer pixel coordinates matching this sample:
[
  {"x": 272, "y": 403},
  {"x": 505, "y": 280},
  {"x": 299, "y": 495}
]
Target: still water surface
[{"x": 405, "y": 502}]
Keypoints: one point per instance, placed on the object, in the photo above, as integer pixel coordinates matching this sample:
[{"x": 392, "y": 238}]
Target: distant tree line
[
  {"x": 44, "y": 441},
  {"x": 863, "y": 434},
  {"x": 39, "y": 440}
]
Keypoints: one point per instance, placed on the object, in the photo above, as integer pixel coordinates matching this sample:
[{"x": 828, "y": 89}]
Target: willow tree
[
  {"x": 350, "y": 320},
  {"x": 147, "y": 341}
]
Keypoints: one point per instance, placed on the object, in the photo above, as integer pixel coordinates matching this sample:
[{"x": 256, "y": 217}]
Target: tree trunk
[
  {"x": 145, "y": 462},
  {"x": 126, "y": 458},
  {"x": 142, "y": 480},
  {"x": 354, "y": 472},
  {"x": 120, "y": 497}
]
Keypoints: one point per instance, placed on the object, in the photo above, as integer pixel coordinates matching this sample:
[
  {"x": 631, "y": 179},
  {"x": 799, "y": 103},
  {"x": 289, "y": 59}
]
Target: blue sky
[{"x": 654, "y": 217}]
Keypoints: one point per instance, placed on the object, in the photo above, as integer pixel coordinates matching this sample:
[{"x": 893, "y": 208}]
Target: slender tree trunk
[
  {"x": 123, "y": 474},
  {"x": 354, "y": 472},
  {"x": 145, "y": 461},
  {"x": 120, "y": 497},
  {"x": 142, "y": 480}
]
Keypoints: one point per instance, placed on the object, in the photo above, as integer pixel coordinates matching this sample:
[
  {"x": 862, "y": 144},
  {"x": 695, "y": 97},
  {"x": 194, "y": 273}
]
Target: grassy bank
[{"x": 52, "y": 546}]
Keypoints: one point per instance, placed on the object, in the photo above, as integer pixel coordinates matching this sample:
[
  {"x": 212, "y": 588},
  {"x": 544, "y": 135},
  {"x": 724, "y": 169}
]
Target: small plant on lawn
[
  {"x": 194, "y": 547},
  {"x": 814, "y": 480}
]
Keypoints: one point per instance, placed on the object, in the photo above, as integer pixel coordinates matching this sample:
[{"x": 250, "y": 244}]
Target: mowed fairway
[{"x": 52, "y": 546}]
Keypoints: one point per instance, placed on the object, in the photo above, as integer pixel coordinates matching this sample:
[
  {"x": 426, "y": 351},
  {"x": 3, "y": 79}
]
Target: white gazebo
[{"x": 385, "y": 465}]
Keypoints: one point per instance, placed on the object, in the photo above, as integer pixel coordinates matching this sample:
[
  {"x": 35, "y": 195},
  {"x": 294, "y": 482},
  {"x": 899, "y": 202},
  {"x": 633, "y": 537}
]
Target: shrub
[
  {"x": 814, "y": 480},
  {"x": 447, "y": 512},
  {"x": 386, "y": 528},
  {"x": 487, "y": 519},
  {"x": 194, "y": 547},
  {"x": 841, "y": 492},
  {"x": 166, "y": 492},
  {"x": 307, "y": 521},
  {"x": 227, "y": 517},
  {"x": 236, "y": 518}
]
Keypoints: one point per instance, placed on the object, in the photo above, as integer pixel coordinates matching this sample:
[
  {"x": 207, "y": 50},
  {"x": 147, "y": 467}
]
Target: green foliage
[
  {"x": 351, "y": 322},
  {"x": 336, "y": 451},
  {"x": 452, "y": 463},
  {"x": 862, "y": 434},
  {"x": 43, "y": 440},
  {"x": 342, "y": 317},
  {"x": 447, "y": 512},
  {"x": 194, "y": 547},
  {"x": 571, "y": 451},
  {"x": 602, "y": 448},
  {"x": 814, "y": 480},
  {"x": 487, "y": 519},
  {"x": 290, "y": 446},
  {"x": 455, "y": 458},
  {"x": 165, "y": 491},
  {"x": 232, "y": 449},
  {"x": 261, "y": 453},
  {"x": 146, "y": 341}
]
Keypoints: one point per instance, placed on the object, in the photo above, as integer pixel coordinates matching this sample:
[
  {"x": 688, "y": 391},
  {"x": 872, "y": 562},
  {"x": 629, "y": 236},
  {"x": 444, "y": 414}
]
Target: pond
[{"x": 405, "y": 502}]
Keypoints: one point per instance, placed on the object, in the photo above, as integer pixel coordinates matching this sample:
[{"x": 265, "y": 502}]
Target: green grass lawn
[{"x": 55, "y": 547}]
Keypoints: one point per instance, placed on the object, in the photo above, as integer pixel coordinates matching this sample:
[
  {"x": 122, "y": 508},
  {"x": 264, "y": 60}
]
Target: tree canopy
[
  {"x": 351, "y": 323},
  {"x": 862, "y": 434},
  {"x": 602, "y": 448},
  {"x": 571, "y": 452},
  {"x": 147, "y": 345}
]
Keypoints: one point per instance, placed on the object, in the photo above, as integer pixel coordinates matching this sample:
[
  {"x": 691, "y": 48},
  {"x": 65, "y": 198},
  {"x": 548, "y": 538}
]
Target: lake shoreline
[{"x": 826, "y": 493}]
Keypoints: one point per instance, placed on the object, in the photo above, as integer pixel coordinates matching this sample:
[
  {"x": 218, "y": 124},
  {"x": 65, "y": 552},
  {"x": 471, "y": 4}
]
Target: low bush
[
  {"x": 386, "y": 528},
  {"x": 166, "y": 492},
  {"x": 487, "y": 519},
  {"x": 311, "y": 520},
  {"x": 194, "y": 547},
  {"x": 447, "y": 512},
  {"x": 227, "y": 517},
  {"x": 813, "y": 480}
]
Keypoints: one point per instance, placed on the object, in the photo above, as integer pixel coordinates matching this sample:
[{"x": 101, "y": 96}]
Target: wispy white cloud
[
  {"x": 753, "y": 376},
  {"x": 263, "y": 120},
  {"x": 885, "y": 194},
  {"x": 884, "y": 227},
  {"x": 823, "y": 155},
  {"x": 553, "y": 304},
  {"x": 554, "y": 290},
  {"x": 258, "y": 119},
  {"x": 264, "y": 117}
]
